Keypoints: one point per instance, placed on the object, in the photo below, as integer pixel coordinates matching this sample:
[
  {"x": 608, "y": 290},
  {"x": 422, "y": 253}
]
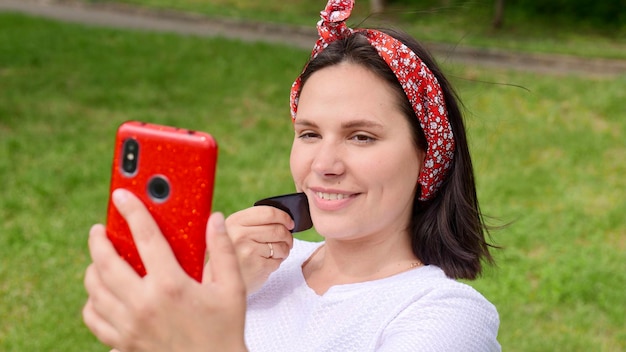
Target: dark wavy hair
[{"x": 448, "y": 230}]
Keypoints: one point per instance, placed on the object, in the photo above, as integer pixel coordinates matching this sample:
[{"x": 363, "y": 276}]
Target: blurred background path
[{"x": 139, "y": 18}]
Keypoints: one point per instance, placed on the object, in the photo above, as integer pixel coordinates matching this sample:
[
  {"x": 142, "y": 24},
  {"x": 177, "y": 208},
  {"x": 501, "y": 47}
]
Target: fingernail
[
  {"x": 217, "y": 219},
  {"x": 93, "y": 230},
  {"x": 120, "y": 196}
]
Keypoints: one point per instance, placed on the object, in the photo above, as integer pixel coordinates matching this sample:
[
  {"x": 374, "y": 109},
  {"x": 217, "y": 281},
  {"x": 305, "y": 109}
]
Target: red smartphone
[{"x": 172, "y": 171}]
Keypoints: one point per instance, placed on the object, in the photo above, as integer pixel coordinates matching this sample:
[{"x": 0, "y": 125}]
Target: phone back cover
[{"x": 188, "y": 160}]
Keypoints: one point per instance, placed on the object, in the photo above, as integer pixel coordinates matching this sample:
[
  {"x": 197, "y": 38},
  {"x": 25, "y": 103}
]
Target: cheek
[
  {"x": 397, "y": 170},
  {"x": 297, "y": 164}
]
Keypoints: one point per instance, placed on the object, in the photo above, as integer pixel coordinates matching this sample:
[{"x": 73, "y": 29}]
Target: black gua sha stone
[{"x": 296, "y": 205}]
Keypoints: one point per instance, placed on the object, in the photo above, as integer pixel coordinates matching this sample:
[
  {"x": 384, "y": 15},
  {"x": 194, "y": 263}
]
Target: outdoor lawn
[
  {"x": 458, "y": 22},
  {"x": 549, "y": 155}
]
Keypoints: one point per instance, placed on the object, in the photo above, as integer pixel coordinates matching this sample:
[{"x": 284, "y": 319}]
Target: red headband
[{"x": 418, "y": 82}]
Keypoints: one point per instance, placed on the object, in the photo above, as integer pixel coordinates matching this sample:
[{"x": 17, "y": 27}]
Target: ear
[{"x": 421, "y": 156}]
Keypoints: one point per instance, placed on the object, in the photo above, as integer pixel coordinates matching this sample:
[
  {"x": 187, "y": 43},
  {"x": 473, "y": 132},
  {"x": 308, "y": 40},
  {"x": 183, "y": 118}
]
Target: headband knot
[
  {"x": 418, "y": 83},
  {"x": 337, "y": 10},
  {"x": 332, "y": 26}
]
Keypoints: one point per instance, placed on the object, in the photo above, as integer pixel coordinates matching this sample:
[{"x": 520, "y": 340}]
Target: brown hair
[{"x": 447, "y": 230}]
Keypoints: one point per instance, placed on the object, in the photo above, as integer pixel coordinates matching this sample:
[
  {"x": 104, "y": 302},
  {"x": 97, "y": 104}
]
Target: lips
[
  {"x": 331, "y": 196},
  {"x": 332, "y": 200}
]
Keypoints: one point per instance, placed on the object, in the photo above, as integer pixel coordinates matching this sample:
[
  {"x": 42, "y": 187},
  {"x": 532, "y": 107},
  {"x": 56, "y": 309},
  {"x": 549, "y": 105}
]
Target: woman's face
[{"x": 353, "y": 154}]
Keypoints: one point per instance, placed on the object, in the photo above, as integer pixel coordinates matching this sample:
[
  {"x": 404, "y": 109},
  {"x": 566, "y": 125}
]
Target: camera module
[
  {"x": 130, "y": 156},
  {"x": 158, "y": 188}
]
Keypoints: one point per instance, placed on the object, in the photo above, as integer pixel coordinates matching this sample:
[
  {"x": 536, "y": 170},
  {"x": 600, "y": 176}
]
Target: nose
[{"x": 329, "y": 160}]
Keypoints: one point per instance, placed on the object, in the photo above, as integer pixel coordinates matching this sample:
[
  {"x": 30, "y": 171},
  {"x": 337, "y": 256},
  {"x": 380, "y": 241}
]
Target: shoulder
[
  {"x": 436, "y": 286},
  {"x": 443, "y": 315}
]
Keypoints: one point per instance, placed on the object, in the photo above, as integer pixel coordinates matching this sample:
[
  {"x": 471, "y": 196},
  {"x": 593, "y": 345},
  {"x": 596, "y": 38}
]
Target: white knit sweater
[{"x": 418, "y": 310}]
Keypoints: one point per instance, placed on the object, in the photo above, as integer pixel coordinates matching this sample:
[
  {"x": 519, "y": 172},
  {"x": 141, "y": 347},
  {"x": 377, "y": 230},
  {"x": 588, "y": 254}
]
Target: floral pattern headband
[{"x": 418, "y": 82}]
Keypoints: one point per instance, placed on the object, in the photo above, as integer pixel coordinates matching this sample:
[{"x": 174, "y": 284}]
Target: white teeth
[{"x": 331, "y": 196}]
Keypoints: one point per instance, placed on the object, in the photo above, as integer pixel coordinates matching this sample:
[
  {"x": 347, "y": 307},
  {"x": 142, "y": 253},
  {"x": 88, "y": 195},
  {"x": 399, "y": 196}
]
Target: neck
[{"x": 344, "y": 262}]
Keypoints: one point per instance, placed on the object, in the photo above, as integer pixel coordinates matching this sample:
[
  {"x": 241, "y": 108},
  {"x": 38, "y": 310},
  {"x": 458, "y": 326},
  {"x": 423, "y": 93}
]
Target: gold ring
[{"x": 271, "y": 250}]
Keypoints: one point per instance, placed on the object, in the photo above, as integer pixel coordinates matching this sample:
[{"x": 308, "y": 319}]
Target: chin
[{"x": 334, "y": 230}]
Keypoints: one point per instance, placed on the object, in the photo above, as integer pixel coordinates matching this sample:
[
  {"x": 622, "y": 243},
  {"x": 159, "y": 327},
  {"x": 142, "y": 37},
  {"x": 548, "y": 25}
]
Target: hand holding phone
[{"x": 172, "y": 171}]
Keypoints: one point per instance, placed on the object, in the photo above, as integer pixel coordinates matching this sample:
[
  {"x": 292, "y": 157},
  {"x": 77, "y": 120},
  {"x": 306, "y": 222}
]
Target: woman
[{"x": 380, "y": 151}]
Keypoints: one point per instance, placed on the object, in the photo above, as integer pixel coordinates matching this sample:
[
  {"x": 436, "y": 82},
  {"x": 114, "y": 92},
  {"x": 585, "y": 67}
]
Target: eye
[
  {"x": 362, "y": 138},
  {"x": 308, "y": 135}
]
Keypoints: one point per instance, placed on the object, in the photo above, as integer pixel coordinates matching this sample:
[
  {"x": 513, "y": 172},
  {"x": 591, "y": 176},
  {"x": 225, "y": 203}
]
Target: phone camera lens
[
  {"x": 159, "y": 188},
  {"x": 130, "y": 156}
]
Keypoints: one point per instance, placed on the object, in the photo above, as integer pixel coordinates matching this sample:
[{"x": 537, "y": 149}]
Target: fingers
[
  {"x": 99, "y": 326},
  {"x": 250, "y": 231},
  {"x": 156, "y": 253},
  {"x": 103, "y": 302},
  {"x": 253, "y": 249},
  {"x": 261, "y": 224},
  {"x": 101, "y": 309},
  {"x": 276, "y": 220},
  {"x": 111, "y": 270},
  {"x": 273, "y": 250},
  {"x": 224, "y": 268},
  {"x": 111, "y": 284}
]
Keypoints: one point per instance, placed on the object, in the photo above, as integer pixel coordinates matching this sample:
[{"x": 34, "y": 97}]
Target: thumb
[{"x": 223, "y": 265}]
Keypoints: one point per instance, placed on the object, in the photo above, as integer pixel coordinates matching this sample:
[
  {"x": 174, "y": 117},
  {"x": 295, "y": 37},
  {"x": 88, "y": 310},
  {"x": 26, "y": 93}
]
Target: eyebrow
[
  {"x": 346, "y": 125},
  {"x": 361, "y": 123},
  {"x": 304, "y": 123}
]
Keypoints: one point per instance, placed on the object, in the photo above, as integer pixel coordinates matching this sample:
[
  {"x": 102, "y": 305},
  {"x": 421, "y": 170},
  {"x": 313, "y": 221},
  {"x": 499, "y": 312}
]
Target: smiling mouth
[{"x": 331, "y": 196}]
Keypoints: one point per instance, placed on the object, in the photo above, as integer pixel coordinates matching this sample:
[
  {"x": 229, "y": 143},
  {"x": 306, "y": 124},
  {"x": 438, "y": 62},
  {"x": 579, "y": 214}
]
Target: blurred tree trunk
[
  {"x": 498, "y": 17},
  {"x": 377, "y": 6}
]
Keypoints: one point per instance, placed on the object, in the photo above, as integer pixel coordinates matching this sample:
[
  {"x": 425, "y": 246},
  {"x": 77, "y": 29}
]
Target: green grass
[
  {"x": 461, "y": 22},
  {"x": 64, "y": 91},
  {"x": 551, "y": 160}
]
